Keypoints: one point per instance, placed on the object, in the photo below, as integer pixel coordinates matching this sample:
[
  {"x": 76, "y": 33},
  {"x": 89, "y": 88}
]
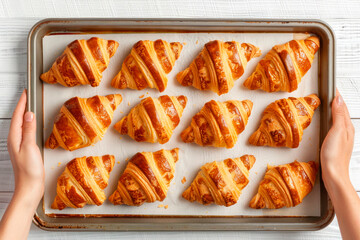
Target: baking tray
[{"x": 88, "y": 26}]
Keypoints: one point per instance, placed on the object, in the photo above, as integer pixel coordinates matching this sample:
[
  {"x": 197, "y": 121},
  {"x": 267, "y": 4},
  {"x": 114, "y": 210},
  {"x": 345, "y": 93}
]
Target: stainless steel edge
[{"x": 327, "y": 93}]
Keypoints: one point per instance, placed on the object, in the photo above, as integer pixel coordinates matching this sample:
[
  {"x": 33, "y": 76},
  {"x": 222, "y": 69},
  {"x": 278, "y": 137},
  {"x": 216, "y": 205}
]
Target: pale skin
[{"x": 29, "y": 172}]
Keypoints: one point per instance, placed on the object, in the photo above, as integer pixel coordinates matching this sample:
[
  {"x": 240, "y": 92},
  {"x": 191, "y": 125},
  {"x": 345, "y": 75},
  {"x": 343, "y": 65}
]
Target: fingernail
[
  {"x": 339, "y": 100},
  {"x": 29, "y": 117}
]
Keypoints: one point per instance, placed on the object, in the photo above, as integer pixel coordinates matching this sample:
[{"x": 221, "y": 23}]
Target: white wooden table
[{"x": 17, "y": 17}]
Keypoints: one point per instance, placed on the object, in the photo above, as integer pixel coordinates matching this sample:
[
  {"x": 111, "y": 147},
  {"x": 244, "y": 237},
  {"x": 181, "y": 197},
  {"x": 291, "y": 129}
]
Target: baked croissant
[
  {"x": 283, "y": 122},
  {"x": 220, "y": 182},
  {"x": 218, "y": 65},
  {"x": 153, "y": 119},
  {"x": 283, "y": 67},
  {"x": 218, "y": 124},
  {"x": 82, "y": 121},
  {"x": 147, "y": 65},
  {"x": 83, "y": 182},
  {"x": 285, "y": 185},
  {"x": 146, "y": 178},
  {"x": 82, "y": 62}
]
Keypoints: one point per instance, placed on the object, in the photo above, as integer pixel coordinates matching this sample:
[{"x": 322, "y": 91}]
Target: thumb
[
  {"x": 338, "y": 110},
  {"x": 29, "y": 128}
]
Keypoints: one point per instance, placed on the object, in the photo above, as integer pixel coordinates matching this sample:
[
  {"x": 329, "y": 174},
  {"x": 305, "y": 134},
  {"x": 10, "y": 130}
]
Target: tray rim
[{"x": 323, "y": 220}]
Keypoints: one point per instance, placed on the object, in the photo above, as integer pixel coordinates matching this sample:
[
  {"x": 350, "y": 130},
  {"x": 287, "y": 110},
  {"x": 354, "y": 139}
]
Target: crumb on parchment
[
  {"x": 184, "y": 43},
  {"x": 118, "y": 162},
  {"x": 183, "y": 180},
  {"x": 160, "y": 205},
  {"x": 121, "y": 112},
  {"x": 197, "y": 41},
  {"x": 128, "y": 103},
  {"x": 141, "y": 96},
  {"x": 166, "y": 206},
  {"x": 127, "y": 159},
  {"x": 59, "y": 163}
]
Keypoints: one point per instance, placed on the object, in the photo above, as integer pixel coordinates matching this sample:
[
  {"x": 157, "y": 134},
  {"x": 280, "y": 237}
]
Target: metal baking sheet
[{"x": 180, "y": 27}]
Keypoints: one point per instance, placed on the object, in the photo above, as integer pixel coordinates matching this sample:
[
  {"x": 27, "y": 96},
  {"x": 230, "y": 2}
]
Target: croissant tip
[
  {"x": 257, "y": 202},
  {"x": 313, "y": 100},
  {"x": 175, "y": 153},
  {"x": 187, "y": 194},
  {"x": 256, "y": 139},
  {"x": 48, "y": 77},
  {"x": 252, "y": 160},
  {"x": 176, "y": 47},
  {"x": 187, "y": 135},
  {"x": 248, "y": 83},
  {"x": 51, "y": 142},
  {"x": 58, "y": 203},
  {"x": 182, "y": 100},
  {"x": 112, "y": 46},
  {"x": 314, "y": 39},
  {"x": 42, "y": 76},
  {"x": 249, "y": 103},
  {"x": 118, "y": 99}
]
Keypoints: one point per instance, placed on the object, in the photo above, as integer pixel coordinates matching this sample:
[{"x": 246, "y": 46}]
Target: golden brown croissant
[
  {"x": 82, "y": 62},
  {"x": 83, "y": 182},
  {"x": 283, "y": 122},
  {"x": 147, "y": 65},
  {"x": 283, "y": 67},
  {"x": 220, "y": 182},
  {"x": 153, "y": 119},
  {"x": 218, "y": 65},
  {"x": 218, "y": 124},
  {"x": 82, "y": 121},
  {"x": 285, "y": 185},
  {"x": 146, "y": 178}
]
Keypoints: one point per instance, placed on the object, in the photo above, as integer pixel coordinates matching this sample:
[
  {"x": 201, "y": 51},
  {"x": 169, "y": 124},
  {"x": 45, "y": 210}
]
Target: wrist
[
  {"x": 29, "y": 196},
  {"x": 336, "y": 182},
  {"x": 336, "y": 175}
]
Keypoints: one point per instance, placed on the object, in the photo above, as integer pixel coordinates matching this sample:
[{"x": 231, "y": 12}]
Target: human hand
[
  {"x": 24, "y": 154},
  {"x": 337, "y": 147}
]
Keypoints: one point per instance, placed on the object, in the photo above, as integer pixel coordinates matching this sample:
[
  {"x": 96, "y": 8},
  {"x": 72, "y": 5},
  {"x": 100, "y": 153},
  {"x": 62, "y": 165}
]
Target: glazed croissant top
[
  {"x": 285, "y": 185},
  {"x": 153, "y": 119},
  {"x": 82, "y": 62},
  {"x": 283, "y": 122},
  {"x": 146, "y": 178},
  {"x": 218, "y": 124},
  {"x": 147, "y": 65},
  {"x": 218, "y": 65},
  {"x": 83, "y": 182},
  {"x": 82, "y": 121},
  {"x": 220, "y": 182},
  {"x": 283, "y": 67}
]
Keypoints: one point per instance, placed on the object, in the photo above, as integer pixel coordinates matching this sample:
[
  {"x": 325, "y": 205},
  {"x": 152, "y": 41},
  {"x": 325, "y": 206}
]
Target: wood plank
[
  {"x": 349, "y": 88},
  {"x": 13, "y": 44},
  {"x": 6, "y": 172},
  {"x": 226, "y": 8},
  {"x": 11, "y": 87}
]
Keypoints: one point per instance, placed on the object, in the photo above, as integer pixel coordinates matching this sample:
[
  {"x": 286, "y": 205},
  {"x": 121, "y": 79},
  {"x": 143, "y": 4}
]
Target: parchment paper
[{"x": 191, "y": 156}]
